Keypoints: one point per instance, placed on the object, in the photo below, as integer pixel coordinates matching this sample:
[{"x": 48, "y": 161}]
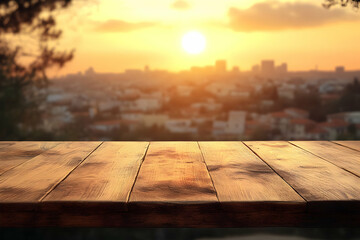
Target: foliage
[
  {"x": 350, "y": 100},
  {"x": 18, "y": 81},
  {"x": 14, "y": 94},
  {"x": 34, "y": 18},
  {"x": 343, "y": 3}
]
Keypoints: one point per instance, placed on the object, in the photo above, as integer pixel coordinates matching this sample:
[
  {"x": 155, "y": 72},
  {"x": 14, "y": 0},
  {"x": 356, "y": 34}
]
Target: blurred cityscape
[
  {"x": 204, "y": 103},
  {"x": 217, "y": 102}
]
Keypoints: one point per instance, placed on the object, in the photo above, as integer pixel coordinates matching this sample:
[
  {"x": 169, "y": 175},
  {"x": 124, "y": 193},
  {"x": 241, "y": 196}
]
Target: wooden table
[{"x": 180, "y": 184}]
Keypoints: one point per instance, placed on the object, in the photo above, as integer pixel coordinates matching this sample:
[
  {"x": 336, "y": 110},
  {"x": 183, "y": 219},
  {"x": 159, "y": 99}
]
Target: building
[
  {"x": 331, "y": 87},
  {"x": 255, "y": 68},
  {"x": 207, "y": 106},
  {"x": 265, "y": 104},
  {"x": 299, "y": 128},
  {"x": 348, "y": 117},
  {"x": 180, "y": 126},
  {"x": 317, "y": 133},
  {"x": 106, "y": 126},
  {"x": 267, "y": 66},
  {"x": 150, "y": 120},
  {"x": 283, "y": 68},
  {"x": 148, "y": 104},
  {"x": 335, "y": 128},
  {"x": 57, "y": 117},
  {"x": 235, "y": 70},
  {"x": 90, "y": 72},
  {"x": 240, "y": 94},
  {"x": 297, "y": 113},
  {"x": 218, "y": 128},
  {"x": 254, "y": 126},
  {"x": 184, "y": 90},
  {"x": 235, "y": 125},
  {"x": 340, "y": 69},
  {"x": 220, "y": 89},
  {"x": 236, "y": 122},
  {"x": 286, "y": 91},
  {"x": 132, "y": 116},
  {"x": 220, "y": 66},
  {"x": 280, "y": 121},
  {"x": 146, "y": 69},
  {"x": 108, "y": 105}
]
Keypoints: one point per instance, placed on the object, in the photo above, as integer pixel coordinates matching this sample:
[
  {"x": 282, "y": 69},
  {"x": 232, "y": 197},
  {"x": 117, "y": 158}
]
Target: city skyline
[
  {"x": 221, "y": 65},
  {"x": 115, "y": 35}
]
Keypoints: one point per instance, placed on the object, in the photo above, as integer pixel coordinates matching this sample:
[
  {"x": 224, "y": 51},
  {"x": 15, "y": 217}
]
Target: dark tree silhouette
[
  {"x": 18, "y": 101},
  {"x": 34, "y": 18},
  {"x": 343, "y": 3},
  {"x": 350, "y": 100}
]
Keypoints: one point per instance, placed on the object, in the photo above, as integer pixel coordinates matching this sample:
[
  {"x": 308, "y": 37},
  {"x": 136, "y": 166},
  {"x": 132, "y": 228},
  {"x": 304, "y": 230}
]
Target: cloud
[
  {"x": 122, "y": 26},
  {"x": 276, "y": 16},
  {"x": 180, "y": 5}
]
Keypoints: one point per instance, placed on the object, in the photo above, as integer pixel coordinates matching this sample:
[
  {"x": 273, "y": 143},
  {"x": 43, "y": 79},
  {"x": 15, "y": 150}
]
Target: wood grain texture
[
  {"x": 173, "y": 188},
  {"x": 239, "y": 175},
  {"x": 173, "y": 172},
  {"x": 107, "y": 175},
  {"x": 340, "y": 156},
  {"x": 314, "y": 178},
  {"x": 13, "y": 154},
  {"x": 31, "y": 180},
  {"x": 6, "y": 144},
  {"x": 350, "y": 144}
]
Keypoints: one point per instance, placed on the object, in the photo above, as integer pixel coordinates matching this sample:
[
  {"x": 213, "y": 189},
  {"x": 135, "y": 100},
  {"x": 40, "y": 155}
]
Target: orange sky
[{"x": 113, "y": 35}]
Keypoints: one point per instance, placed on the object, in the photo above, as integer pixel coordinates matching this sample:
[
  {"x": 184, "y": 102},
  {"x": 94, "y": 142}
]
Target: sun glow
[{"x": 194, "y": 42}]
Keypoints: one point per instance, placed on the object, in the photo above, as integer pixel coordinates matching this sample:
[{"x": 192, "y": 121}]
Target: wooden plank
[
  {"x": 248, "y": 189},
  {"x": 314, "y": 178},
  {"x": 240, "y": 176},
  {"x": 338, "y": 155},
  {"x": 6, "y": 144},
  {"x": 173, "y": 172},
  {"x": 175, "y": 190},
  {"x": 350, "y": 144},
  {"x": 107, "y": 175},
  {"x": 31, "y": 180},
  {"x": 13, "y": 154}
]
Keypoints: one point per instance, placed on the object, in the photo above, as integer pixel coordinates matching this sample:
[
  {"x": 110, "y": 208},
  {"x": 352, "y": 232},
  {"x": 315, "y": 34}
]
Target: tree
[
  {"x": 18, "y": 81},
  {"x": 350, "y": 99},
  {"x": 343, "y": 3}
]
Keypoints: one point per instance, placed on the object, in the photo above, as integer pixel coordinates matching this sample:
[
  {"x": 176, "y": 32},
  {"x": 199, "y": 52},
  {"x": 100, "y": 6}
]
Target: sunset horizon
[
  {"x": 113, "y": 36},
  {"x": 229, "y": 68}
]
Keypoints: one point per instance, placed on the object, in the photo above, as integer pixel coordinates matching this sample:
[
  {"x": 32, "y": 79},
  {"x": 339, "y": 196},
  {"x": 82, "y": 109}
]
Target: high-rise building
[
  {"x": 267, "y": 66},
  {"x": 283, "y": 68},
  {"x": 340, "y": 69},
  {"x": 220, "y": 66},
  {"x": 90, "y": 71},
  {"x": 255, "y": 68}
]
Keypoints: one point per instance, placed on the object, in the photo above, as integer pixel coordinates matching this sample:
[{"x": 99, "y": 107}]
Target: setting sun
[{"x": 194, "y": 42}]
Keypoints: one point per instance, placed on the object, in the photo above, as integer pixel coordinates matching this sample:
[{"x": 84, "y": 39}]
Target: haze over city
[{"x": 113, "y": 35}]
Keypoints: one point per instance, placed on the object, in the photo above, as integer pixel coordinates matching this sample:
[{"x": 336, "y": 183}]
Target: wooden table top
[{"x": 180, "y": 184}]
